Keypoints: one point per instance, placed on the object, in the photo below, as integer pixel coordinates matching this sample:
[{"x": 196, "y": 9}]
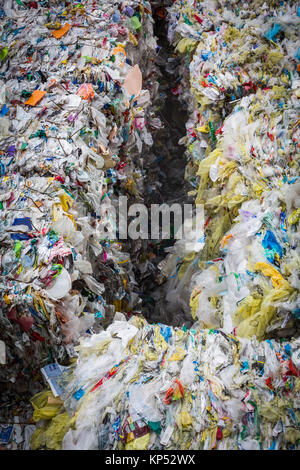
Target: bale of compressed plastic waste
[
  {"x": 140, "y": 386},
  {"x": 72, "y": 140},
  {"x": 73, "y": 125},
  {"x": 240, "y": 80}
]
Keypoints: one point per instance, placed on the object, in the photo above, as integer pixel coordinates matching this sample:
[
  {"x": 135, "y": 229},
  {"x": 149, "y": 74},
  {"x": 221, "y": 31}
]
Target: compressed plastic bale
[
  {"x": 223, "y": 192},
  {"x": 186, "y": 405},
  {"x": 71, "y": 171},
  {"x": 241, "y": 172}
]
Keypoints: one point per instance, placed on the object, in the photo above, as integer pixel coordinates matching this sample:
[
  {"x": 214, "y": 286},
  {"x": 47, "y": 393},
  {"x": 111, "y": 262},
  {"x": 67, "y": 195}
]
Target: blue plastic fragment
[
  {"x": 296, "y": 313},
  {"x": 4, "y": 110},
  {"x": 272, "y": 32},
  {"x": 77, "y": 395},
  {"x": 271, "y": 246},
  {"x": 165, "y": 331}
]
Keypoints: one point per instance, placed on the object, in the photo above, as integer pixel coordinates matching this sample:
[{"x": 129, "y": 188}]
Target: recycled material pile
[
  {"x": 140, "y": 386},
  {"x": 71, "y": 143},
  {"x": 240, "y": 81},
  {"x": 72, "y": 125}
]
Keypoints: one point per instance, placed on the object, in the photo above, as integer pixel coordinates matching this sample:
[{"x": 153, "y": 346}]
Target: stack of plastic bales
[
  {"x": 225, "y": 383},
  {"x": 73, "y": 118},
  {"x": 240, "y": 81}
]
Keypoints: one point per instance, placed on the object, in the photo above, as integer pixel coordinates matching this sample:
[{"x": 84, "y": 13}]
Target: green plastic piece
[
  {"x": 3, "y": 53},
  {"x": 135, "y": 24},
  {"x": 155, "y": 426}
]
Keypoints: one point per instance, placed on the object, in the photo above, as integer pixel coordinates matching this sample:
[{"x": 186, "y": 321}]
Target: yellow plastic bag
[
  {"x": 294, "y": 217},
  {"x": 186, "y": 419},
  {"x": 179, "y": 355},
  {"x": 45, "y": 405},
  {"x": 257, "y": 315},
  {"x": 52, "y": 434},
  {"x": 37, "y": 439},
  {"x": 184, "y": 44},
  {"x": 55, "y": 432},
  {"x": 268, "y": 270},
  {"x": 141, "y": 443}
]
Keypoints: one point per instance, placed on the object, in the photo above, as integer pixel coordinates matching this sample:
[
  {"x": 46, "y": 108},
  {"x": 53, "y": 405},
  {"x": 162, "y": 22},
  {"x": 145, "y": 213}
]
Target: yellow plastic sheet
[
  {"x": 45, "y": 405},
  {"x": 52, "y": 434},
  {"x": 258, "y": 315},
  {"x": 269, "y": 271},
  {"x": 184, "y": 44},
  {"x": 141, "y": 443}
]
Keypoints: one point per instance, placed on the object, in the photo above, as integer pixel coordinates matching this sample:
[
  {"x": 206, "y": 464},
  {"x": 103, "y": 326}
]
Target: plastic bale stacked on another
[
  {"x": 243, "y": 147},
  {"x": 138, "y": 386},
  {"x": 72, "y": 109}
]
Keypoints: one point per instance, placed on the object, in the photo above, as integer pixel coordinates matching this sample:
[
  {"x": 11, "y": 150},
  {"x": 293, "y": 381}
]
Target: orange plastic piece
[
  {"x": 225, "y": 239},
  {"x": 119, "y": 49},
  {"x": 36, "y": 96},
  {"x": 62, "y": 31},
  {"x": 174, "y": 393},
  {"x": 86, "y": 91}
]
